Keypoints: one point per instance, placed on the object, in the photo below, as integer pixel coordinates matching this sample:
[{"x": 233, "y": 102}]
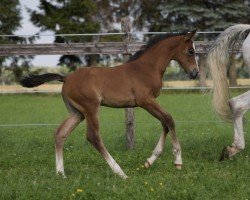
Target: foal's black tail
[{"x": 33, "y": 80}]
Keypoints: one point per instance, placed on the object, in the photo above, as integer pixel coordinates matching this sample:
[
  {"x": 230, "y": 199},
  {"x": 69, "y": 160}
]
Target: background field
[{"x": 27, "y": 164}]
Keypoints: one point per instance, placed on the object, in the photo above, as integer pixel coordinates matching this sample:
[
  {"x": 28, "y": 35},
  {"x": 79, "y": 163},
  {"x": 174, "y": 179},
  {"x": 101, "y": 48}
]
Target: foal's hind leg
[
  {"x": 60, "y": 135},
  {"x": 168, "y": 125},
  {"x": 239, "y": 105},
  {"x": 94, "y": 138}
]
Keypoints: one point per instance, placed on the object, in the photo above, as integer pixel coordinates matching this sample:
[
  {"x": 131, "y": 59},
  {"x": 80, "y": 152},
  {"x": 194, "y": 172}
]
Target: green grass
[{"x": 27, "y": 164}]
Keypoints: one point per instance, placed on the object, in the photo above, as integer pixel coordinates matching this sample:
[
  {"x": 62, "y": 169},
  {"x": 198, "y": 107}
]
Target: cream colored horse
[{"x": 231, "y": 110}]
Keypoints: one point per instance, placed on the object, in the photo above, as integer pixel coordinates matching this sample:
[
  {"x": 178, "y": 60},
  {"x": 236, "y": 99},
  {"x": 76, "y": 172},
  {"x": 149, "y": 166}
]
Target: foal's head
[{"x": 185, "y": 55}]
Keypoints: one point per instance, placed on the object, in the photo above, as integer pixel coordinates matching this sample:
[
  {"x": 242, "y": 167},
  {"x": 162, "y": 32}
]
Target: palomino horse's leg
[
  {"x": 94, "y": 138},
  {"x": 60, "y": 135},
  {"x": 239, "y": 105},
  {"x": 168, "y": 125}
]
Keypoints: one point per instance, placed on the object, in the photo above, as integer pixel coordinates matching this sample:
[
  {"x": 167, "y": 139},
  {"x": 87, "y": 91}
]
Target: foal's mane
[{"x": 154, "y": 41}]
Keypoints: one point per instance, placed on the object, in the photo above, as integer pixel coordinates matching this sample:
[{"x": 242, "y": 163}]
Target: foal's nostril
[{"x": 193, "y": 74}]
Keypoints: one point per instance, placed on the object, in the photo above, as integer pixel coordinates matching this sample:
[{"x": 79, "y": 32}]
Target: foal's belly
[{"x": 119, "y": 101}]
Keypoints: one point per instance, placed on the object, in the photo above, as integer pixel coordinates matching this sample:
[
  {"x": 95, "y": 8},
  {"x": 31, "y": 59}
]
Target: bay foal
[{"x": 135, "y": 83}]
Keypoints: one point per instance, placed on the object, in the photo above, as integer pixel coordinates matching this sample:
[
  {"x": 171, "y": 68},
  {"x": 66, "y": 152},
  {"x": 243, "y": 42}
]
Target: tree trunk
[
  {"x": 92, "y": 59},
  {"x": 2, "y": 75}
]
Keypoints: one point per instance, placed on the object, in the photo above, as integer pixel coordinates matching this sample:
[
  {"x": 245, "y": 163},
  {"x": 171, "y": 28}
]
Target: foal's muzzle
[{"x": 193, "y": 74}]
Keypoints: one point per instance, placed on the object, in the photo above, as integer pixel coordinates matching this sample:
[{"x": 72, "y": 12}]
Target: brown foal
[{"x": 135, "y": 83}]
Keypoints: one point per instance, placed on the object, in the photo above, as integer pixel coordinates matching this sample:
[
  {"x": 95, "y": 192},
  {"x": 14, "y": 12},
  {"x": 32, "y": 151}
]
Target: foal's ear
[{"x": 190, "y": 35}]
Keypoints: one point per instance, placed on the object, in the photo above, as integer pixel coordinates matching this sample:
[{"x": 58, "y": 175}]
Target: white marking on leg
[
  {"x": 114, "y": 166},
  {"x": 177, "y": 155},
  {"x": 176, "y": 150},
  {"x": 59, "y": 164},
  {"x": 157, "y": 151}
]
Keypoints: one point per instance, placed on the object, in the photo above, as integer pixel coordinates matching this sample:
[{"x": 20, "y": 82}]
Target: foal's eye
[{"x": 190, "y": 52}]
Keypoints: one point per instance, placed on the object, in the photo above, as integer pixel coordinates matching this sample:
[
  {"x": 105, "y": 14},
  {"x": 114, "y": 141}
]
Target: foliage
[
  {"x": 10, "y": 21},
  {"x": 166, "y": 15},
  {"x": 86, "y": 16},
  {"x": 66, "y": 17},
  {"x": 63, "y": 16},
  {"x": 143, "y": 13},
  {"x": 203, "y": 15},
  {"x": 28, "y": 163}
]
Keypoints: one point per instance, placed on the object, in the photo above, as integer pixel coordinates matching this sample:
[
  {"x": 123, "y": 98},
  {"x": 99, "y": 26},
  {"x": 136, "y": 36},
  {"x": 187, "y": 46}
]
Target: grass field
[{"x": 27, "y": 164}]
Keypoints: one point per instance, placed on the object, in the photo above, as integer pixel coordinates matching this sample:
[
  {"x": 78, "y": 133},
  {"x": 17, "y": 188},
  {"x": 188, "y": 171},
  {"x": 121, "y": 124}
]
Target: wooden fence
[{"x": 82, "y": 48}]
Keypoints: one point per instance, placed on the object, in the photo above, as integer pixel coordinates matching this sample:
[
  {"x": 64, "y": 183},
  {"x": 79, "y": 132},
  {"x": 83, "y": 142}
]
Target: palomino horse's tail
[
  {"x": 218, "y": 61},
  {"x": 33, "y": 80}
]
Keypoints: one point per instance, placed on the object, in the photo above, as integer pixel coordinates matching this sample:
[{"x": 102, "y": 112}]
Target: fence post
[
  {"x": 202, "y": 71},
  {"x": 129, "y": 112}
]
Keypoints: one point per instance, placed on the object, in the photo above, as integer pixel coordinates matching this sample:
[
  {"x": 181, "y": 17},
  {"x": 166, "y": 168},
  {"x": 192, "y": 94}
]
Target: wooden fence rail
[{"x": 85, "y": 48}]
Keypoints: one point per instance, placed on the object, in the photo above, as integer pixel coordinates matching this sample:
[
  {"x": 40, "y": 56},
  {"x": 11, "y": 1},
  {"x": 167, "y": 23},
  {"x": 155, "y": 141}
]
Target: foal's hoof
[
  {"x": 147, "y": 164},
  {"x": 125, "y": 177},
  {"x": 224, "y": 154},
  {"x": 178, "y": 166},
  {"x": 61, "y": 175}
]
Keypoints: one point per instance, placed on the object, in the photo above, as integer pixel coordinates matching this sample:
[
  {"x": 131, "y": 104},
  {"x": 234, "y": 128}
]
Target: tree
[
  {"x": 65, "y": 17},
  {"x": 204, "y": 15},
  {"x": 178, "y": 15},
  {"x": 201, "y": 14},
  {"x": 143, "y": 13},
  {"x": 10, "y": 21},
  {"x": 68, "y": 16}
]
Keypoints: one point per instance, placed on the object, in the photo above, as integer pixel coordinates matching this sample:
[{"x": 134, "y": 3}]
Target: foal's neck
[{"x": 158, "y": 56}]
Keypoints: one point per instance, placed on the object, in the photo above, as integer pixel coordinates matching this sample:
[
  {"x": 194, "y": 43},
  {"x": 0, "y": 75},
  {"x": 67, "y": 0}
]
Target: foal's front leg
[
  {"x": 168, "y": 125},
  {"x": 157, "y": 151}
]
